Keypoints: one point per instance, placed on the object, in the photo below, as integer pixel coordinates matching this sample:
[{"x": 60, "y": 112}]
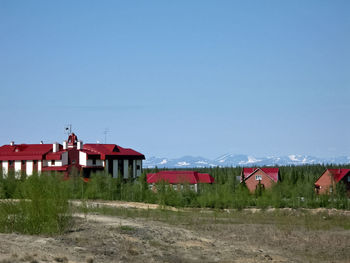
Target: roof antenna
[
  {"x": 68, "y": 129},
  {"x": 105, "y": 133}
]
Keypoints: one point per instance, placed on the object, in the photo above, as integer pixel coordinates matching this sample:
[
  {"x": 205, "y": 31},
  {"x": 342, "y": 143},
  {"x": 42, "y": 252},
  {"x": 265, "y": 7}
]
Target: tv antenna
[
  {"x": 68, "y": 129},
  {"x": 105, "y": 133}
]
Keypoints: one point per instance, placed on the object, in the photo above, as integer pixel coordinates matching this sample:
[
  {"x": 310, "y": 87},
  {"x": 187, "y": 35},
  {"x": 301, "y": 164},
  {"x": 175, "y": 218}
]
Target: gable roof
[
  {"x": 24, "y": 151},
  {"x": 271, "y": 172},
  {"x": 205, "y": 178},
  {"x": 337, "y": 174},
  {"x": 110, "y": 150},
  {"x": 179, "y": 177}
]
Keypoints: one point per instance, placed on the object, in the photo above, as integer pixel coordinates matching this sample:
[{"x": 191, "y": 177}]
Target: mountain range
[{"x": 228, "y": 160}]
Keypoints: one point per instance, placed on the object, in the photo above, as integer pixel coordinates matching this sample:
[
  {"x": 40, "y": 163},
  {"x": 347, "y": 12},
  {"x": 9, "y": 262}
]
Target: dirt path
[{"x": 102, "y": 238}]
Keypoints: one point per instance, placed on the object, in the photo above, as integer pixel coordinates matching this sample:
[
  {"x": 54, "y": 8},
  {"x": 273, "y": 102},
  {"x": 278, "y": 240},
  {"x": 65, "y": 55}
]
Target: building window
[
  {"x": 52, "y": 162},
  {"x": 175, "y": 187},
  {"x": 138, "y": 167},
  {"x": 23, "y": 162},
  {"x": 35, "y": 162},
  {"x": 349, "y": 179},
  {"x": 258, "y": 177},
  {"x": 10, "y": 163},
  {"x": 93, "y": 161}
]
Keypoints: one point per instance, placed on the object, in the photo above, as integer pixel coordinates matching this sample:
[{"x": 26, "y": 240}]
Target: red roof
[
  {"x": 270, "y": 171},
  {"x": 205, "y": 178},
  {"x": 338, "y": 174},
  {"x": 110, "y": 150},
  {"x": 55, "y": 168},
  {"x": 178, "y": 177},
  {"x": 54, "y": 156},
  {"x": 24, "y": 151}
]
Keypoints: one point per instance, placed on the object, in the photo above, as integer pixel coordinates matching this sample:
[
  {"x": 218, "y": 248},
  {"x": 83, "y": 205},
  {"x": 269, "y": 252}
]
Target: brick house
[
  {"x": 327, "y": 182},
  {"x": 266, "y": 176}
]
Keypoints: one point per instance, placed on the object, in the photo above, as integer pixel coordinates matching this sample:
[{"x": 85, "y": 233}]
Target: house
[
  {"x": 177, "y": 179},
  {"x": 266, "y": 177},
  {"x": 72, "y": 154},
  {"x": 327, "y": 182}
]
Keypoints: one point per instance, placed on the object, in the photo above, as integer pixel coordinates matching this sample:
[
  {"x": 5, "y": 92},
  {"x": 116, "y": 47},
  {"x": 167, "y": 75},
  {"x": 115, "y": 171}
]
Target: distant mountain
[{"x": 234, "y": 160}]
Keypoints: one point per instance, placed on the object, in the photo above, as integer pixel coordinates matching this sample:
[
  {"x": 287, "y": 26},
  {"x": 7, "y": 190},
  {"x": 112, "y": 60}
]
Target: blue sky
[{"x": 174, "y": 78}]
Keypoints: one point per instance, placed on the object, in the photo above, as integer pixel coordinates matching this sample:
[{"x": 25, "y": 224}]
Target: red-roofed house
[
  {"x": 327, "y": 182},
  {"x": 178, "y": 178},
  {"x": 27, "y": 158},
  {"x": 266, "y": 176}
]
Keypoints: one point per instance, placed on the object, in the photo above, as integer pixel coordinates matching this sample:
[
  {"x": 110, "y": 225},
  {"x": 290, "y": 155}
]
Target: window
[
  {"x": 23, "y": 162},
  {"x": 174, "y": 186},
  {"x": 52, "y": 162},
  {"x": 348, "y": 178},
  {"x": 138, "y": 167},
  {"x": 10, "y": 163},
  {"x": 258, "y": 177},
  {"x": 93, "y": 161},
  {"x": 35, "y": 162}
]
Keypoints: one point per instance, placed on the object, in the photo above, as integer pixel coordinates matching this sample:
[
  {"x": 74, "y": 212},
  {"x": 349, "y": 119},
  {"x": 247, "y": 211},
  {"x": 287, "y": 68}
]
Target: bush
[{"x": 43, "y": 207}]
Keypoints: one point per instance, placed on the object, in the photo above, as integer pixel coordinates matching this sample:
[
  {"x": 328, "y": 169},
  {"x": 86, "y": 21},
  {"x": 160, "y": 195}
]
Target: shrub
[{"x": 43, "y": 207}]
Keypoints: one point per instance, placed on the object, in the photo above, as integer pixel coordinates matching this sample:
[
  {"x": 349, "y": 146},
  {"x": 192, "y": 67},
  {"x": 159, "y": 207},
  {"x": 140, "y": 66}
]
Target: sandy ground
[{"x": 101, "y": 238}]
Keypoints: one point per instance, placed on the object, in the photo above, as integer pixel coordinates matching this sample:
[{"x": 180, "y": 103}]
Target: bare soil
[{"x": 101, "y": 238}]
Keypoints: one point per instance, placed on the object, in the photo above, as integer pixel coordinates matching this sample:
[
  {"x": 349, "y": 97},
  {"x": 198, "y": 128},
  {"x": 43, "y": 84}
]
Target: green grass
[{"x": 42, "y": 207}]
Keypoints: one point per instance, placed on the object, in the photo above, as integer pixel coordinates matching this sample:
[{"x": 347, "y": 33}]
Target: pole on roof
[{"x": 105, "y": 133}]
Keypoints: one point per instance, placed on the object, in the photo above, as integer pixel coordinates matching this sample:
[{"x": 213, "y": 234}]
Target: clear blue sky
[{"x": 174, "y": 78}]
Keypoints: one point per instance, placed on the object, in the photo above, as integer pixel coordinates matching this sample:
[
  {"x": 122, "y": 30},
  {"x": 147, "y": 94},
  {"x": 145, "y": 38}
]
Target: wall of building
[
  {"x": 65, "y": 158},
  {"x": 325, "y": 182},
  {"x": 29, "y": 168},
  {"x": 115, "y": 168},
  {"x": 176, "y": 187},
  {"x": 89, "y": 162},
  {"x": 5, "y": 167},
  {"x": 49, "y": 163},
  {"x": 252, "y": 183},
  {"x": 18, "y": 166},
  {"x": 82, "y": 158},
  {"x": 126, "y": 169},
  {"x": 138, "y": 165}
]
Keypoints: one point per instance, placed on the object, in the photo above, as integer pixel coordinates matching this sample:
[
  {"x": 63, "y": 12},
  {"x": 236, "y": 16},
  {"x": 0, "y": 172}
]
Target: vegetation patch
[{"x": 42, "y": 207}]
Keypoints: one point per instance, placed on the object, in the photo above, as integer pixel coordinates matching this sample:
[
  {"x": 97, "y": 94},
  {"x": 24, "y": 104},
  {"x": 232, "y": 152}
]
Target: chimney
[
  {"x": 41, "y": 142},
  {"x": 64, "y": 145},
  {"x": 55, "y": 147},
  {"x": 12, "y": 143},
  {"x": 80, "y": 145}
]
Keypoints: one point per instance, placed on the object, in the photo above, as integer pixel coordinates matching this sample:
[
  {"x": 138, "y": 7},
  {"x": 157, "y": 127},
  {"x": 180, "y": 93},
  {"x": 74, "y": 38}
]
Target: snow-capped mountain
[
  {"x": 183, "y": 162},
  {"x": 233, "y": 160}
]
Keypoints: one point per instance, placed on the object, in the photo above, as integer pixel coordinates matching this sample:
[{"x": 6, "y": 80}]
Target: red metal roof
[
  {"x": 272, "y": 172},
  {"x": 24, "y": 151},
  {"x": 205, "y": 178},
  {"x": 179, "y": 177},
  {"x": 55, "y": 168},
  {"x": 54, "y": 156},
  {"x": 109, "y": 150},
  {"x": 338, "y": 174}
]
